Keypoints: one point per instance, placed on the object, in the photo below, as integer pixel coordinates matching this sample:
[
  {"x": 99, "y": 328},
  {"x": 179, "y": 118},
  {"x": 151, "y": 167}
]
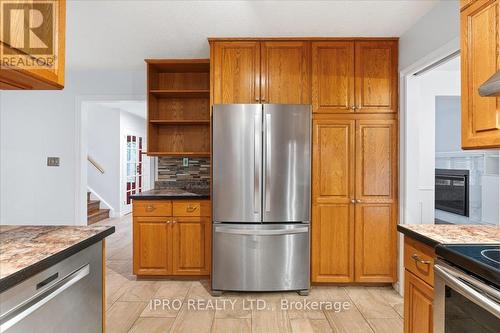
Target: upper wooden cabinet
[
  {"x": 480, "y": 44},
  {"x": 46, "y": 48},
  {"x": 260, "y": 72},
  {"x": 355, "y": 76},
  {"x": 235, "y": 72},
  {"x": 285, "y": 73},
  {"x": 333, "y": 77}
]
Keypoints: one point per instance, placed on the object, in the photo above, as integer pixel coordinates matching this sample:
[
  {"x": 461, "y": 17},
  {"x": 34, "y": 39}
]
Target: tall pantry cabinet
[
  {"x": 353, "y": 89},
  {"x": 355, "y": 169}
]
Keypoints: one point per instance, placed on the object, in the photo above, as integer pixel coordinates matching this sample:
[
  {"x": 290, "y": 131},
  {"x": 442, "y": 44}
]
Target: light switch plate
[
  {"x": 185, "y": 162},
  {"x": 53, "y": 161}
]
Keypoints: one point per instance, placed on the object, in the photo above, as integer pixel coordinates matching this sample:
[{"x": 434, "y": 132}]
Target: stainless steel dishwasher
[{"x": 66, "y": 297}]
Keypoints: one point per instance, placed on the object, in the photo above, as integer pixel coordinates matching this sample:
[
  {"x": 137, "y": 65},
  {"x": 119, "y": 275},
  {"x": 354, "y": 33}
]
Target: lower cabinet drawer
[
  {"x": 419, "y": 259},
  {"x": 152, "y": 208},
  {"x": 191, "y": 208}
]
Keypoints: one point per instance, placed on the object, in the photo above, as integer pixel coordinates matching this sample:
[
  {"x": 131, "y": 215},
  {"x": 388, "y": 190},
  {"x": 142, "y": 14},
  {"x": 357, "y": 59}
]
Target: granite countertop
[
  {"x": 169, "y": 194},
  {"x": 27, "y": 250},
  {"x": 446, "y": 234}
]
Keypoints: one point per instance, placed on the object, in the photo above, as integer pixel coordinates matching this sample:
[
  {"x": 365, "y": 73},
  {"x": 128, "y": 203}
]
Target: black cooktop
[{"x": 479, "y": 259}]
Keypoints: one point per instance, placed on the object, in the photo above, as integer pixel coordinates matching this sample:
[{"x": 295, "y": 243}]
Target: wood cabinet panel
[
  {"x": 191, "y": 246},
  {"x": 416, "y": 255},
  {"x": 418, "y": 310},
  {"x": 376, "y": 76},
  {"x": 480, "y": 58},
  {"x": 375, "y": 243},
  {"x": 191, "y": 208},
  {"x": 152, "y": 208},
  {"x": 333, "y": 77},
  {"x": 236, "y": 72},
  {"x": 376, "y": 160},
  {"x": 285, "y": 72},
  {"x": 151, "y": 246},
  {"x": 333, "y": 161},
  {"x": 333, "y": 243}
]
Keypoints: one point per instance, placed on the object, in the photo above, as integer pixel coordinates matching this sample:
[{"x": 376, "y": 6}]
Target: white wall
[
  {"x": 103, "y": 145},
  {"x": 432, "y": 31},
  {"x": 448, "y": 124},
  {"x": 37, "y": 124}
]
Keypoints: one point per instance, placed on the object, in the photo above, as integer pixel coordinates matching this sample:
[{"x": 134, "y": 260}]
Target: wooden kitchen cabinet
[
  {"x": 355, "y": 76},
  {"x": 333, "y": 77},
  {"x": 235, "y": 72},
  {"x": 418, "y": 305},
  {"x": 480, "y": 57},
  {"x": 152, "y": 246},
  {"x": 285, "y": 72},
  {"x": 260, "y": 72},
  {"x": 50, "y": 78},
  {"x": 354, "y": 199},
  {"x": 176, "y": 244},
  {"x": 419, "y": 286},
  {"x": 191, "y": 245}
]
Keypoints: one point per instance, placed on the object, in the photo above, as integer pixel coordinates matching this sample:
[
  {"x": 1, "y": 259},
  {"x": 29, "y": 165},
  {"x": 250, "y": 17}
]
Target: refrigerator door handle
[
  {"x": 267, "y": 156},
  {"x": 254, "y": 232},
  {"x": 256, "y": 160}
]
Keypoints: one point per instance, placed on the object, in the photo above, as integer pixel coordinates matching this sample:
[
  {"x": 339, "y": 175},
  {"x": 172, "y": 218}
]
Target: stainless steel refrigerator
[{"x": 261, "y": 197}]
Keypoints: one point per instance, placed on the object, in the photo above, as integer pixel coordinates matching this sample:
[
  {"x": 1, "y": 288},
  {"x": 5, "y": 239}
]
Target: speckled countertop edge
[{"x": 10, "y": 236}]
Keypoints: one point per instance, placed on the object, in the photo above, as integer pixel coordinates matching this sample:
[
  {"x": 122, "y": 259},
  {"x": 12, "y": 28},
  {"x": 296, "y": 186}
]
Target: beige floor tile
[
  {"x": 234, "y": 308},
  {"x": 193, "y": 321},
  {"x": 116, "y": 285},
  {"x": 152, "y": 325},
  {"x": 321, "y": 326},
  {"x": 265, "y": 321},
  {"x": 369, "y": 305},
  {"x": 400, "y": 309},
  {"x": 348, "y": 321},
  {"x": 139, "y": 291},
  {"x": 122, "y": 315},
  {"x": 310, "y": 326},
  {"x": 388, "y": 294},
  {"x": 231, "y": 325},
  {"x": 386, "y": 325},
  {"x": 173, "y": 289}
]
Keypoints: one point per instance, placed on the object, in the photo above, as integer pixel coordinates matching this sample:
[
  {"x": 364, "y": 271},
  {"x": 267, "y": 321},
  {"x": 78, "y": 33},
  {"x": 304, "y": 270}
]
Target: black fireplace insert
[{"x": 452, "y": 191}]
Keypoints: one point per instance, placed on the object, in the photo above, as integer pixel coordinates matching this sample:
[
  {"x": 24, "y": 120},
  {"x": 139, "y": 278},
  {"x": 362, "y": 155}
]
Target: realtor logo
[{"x": 28, "y": 33}]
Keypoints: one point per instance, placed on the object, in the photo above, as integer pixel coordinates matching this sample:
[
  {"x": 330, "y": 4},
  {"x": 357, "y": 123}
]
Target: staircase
[{"x": 94, "y": 211}]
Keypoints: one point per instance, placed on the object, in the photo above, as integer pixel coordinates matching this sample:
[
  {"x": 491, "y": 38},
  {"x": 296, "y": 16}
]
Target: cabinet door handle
[
  {"x": 257, "y": 99},
  {"x": 150, "y": 208},
  {"x": 359, "y": 201},
  {"x": 353, "y": 201},
  {"x": 174, "y": 222},
  {"x": 191, "y": 209},
  {"x": 353, "y": 107},
  {"x": 420, "y": 260},
  {"x": 168, "y": 222}
]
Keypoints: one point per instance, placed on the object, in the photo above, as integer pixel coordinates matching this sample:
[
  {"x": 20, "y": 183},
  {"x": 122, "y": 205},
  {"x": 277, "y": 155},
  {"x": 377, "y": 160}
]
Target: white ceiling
[
  {"x": 137, "y": 108},
  {"x": 116, "y": 34}
]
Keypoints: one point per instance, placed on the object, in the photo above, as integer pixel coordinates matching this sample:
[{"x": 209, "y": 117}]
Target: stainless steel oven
[{"x": 464, "y": 302}]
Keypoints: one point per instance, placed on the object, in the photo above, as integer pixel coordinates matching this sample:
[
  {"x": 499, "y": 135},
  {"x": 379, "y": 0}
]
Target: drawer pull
[
  {"x": 150, "y": 208},
  {"x": 420, "y": 260},
  {"x": 191, "y": 209}
]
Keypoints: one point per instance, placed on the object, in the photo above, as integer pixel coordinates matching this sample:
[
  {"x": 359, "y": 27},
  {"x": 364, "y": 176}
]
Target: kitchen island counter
[
  {"x": 171, "y": 194},
  {"x": 27, "y": 250}
]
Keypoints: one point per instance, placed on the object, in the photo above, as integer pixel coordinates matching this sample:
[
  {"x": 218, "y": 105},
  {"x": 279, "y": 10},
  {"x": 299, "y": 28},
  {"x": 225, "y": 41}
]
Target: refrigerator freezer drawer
[{"x": 260, "y": 257}]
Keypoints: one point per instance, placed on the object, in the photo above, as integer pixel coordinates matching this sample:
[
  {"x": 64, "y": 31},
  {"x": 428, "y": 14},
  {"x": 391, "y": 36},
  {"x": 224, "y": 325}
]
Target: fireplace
[{"x": 452, "y": 191}]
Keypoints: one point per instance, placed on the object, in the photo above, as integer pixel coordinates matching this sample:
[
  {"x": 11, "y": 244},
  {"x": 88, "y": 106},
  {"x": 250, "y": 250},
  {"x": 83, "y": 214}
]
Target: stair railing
[{"x": 95, "y": 164}]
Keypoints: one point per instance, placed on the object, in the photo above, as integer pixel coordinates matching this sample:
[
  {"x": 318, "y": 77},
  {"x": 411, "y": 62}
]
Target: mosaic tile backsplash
[{"x": 171, "y": 173}]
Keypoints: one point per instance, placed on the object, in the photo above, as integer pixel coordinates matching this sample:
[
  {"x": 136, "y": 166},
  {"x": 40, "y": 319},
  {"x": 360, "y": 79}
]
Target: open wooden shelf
[
  {"x": 180, "y": 92},
  {"x": 180, "y": 122},
  {"x": 178, "y": 107}
]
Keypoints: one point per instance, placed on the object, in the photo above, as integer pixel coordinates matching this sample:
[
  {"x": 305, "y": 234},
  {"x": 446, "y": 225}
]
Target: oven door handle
[{"x": 454, "y": 279}]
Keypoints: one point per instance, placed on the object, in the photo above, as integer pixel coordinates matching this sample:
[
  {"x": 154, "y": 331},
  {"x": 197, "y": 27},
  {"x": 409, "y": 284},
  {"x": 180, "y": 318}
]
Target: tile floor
[{"x": 131, "y": 307}]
